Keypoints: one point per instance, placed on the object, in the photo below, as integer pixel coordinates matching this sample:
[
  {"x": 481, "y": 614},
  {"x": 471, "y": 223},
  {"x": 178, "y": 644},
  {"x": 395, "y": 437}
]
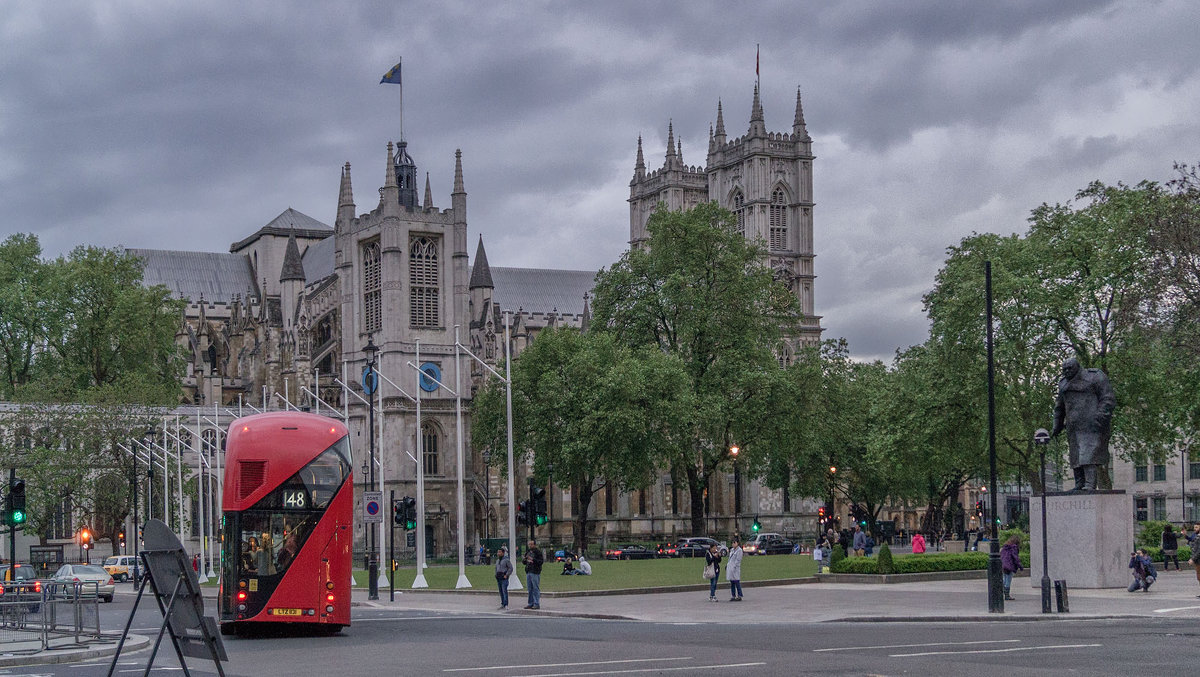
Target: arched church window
[
  {"x": 429, "y": 449},
  {"x": 423, "y": 282},
  {"x": 372, "y": 286},
  {"x": 739, "y": 211},
  {"x": 779, "y": 225}
]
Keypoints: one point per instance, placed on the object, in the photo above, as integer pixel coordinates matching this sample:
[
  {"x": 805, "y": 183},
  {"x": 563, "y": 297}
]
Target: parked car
[
  {"x": 120, "y": 567},
  {"x": 631, "y": 551},
  {"x": 85, "y": 575},
  {"x": 768, "y": 544},
  {"x": 564, "y": 555},
  {"x": 21, "y": 585},
  {"x": 696, "y": 546},
  {"x": 667, "y": 550}
]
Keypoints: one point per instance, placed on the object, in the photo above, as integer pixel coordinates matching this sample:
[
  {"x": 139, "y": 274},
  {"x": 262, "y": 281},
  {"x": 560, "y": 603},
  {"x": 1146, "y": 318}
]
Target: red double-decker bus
[{"x": 286, "y": 531}]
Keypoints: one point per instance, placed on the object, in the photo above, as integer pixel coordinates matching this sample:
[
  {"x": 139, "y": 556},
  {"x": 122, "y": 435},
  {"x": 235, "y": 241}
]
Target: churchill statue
[{"x": 1084, "y": 408}]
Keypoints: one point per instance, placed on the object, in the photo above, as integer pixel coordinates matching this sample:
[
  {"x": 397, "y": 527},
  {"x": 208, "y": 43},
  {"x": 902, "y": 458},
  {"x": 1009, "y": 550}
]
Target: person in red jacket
[{"x": 918, "y": 544}]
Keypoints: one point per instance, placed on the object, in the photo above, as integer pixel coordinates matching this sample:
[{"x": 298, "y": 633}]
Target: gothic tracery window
[
  {"x": 429, "y": 449},
  {"x": 372, "y": 287},
  {"x": 739, "y": 210},
  {"x": 423, "y": 282},
  {"x": 779, "y": 225}
]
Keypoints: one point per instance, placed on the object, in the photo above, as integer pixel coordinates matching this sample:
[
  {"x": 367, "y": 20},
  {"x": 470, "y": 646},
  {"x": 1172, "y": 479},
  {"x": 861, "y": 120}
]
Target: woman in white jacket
[{"x": 733, "y": 572}]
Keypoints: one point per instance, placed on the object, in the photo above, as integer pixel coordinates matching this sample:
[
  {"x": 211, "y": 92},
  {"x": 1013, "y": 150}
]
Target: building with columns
[{"x": 283, "y": 317}]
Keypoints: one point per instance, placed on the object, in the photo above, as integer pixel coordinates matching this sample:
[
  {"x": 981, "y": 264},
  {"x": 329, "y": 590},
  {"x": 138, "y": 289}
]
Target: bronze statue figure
[{"x": 1084, "y": 407}]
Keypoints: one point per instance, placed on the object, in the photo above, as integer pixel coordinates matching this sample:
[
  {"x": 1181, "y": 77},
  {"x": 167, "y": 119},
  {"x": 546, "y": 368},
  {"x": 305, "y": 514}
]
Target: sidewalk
[
  {"x": 65, "y": 650},
  {"x": 1174, "y": 595}
]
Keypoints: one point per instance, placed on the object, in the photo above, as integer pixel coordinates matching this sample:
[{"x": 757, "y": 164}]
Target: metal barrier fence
[{"x": 36, "y": 614}]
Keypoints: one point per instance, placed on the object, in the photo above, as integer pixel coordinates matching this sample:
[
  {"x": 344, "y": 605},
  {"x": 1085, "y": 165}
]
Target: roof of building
[
  {"x": 214, "y": 276},
  {"x": 481, "y": 272},
  {"x": 289, "y": 222},
  {"x": 293, "y": 269},
  {"x": 318, "y": 260},
  {"x": 540, "y": 290}
]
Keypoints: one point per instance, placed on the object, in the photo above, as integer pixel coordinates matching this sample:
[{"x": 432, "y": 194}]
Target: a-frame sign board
[{"x": 177, "y": 592}]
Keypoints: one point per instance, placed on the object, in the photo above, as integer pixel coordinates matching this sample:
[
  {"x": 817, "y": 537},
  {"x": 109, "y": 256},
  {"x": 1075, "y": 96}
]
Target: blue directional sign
[
  {"x": 430, "y": 375},
  {"x": 370, "y": 380}
]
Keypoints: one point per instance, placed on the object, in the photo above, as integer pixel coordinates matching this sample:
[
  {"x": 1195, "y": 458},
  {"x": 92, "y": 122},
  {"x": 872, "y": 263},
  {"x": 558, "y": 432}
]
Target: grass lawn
[{"x": 611, "y": 574}]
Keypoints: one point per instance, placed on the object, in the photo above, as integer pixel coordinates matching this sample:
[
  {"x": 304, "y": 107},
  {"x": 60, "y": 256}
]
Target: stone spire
[
  {"x": 757, "y": 126},
  {"x": 639, "y": 167},
  {"x": 481, "y": 273},
  {"x": 293, "y": 266},
  {"x": 389, "y": 195},
  {"x": 679, "y": 150},
  {"x": 798, "y": 127},
  {"x": 670, "y": 142},
  {"x": 458, "y": 201},
  {"x": 720, "y": 123},
  {"x": 586, "y": 320},
  {"x": 458, "y": 173},
  {"x": 428, "y": 193},
  {"x": 345, "y": 211}
]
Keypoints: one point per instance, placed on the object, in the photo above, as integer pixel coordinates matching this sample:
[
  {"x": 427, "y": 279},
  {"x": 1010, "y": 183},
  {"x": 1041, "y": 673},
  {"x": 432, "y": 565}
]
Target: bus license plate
[{"x": 286, "y": 612}]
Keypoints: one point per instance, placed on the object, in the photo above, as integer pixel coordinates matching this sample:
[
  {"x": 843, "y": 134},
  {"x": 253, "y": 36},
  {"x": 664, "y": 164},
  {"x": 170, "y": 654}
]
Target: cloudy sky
[{"x": 179, "y": 125}]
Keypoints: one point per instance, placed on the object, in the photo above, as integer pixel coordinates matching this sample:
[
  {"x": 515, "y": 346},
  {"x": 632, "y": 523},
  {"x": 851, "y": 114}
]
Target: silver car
[{"x": 91, "y": 580}]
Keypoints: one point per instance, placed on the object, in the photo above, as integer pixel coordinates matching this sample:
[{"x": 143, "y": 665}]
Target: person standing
[
  {"x": 1170, "y": 547},
  {"x": 712, "y": 565},
  {"x": 504, "y": 569},
  {"x": 533, "y": 575},
  {"x": 1010, "y": 562},
  {"x": 733, "y": 572},
  {"x": 860, "y": 541},
  {"x": 1195, "y": 560},
  {"x": 918, "y": 544}
]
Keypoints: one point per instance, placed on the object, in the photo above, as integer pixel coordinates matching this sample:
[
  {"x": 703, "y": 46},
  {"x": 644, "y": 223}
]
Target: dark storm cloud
[{"x": 189, "y": 126}]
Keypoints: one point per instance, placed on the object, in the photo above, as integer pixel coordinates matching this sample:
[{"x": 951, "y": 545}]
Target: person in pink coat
[{"x": 918, "y": 544}]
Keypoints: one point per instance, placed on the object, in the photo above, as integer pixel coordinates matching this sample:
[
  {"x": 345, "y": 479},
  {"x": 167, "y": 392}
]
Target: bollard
[{"x": 1060, "y": 596}]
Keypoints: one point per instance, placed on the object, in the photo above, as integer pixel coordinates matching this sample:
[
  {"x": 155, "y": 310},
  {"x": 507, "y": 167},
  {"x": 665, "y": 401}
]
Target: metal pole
[
  {"x": 1045, "y": 543},
  {"x": 137, "y": 525},
  {"x": 462, "y": 570},
  {"x": 392, "y": 548},
  {"x": 515, "y": 582},
  {"x": 382, "y": 465},
  {"x": 199, "y": 445},
  {"x": 419, "y": 581},
  {"x": 166, "y": 480},
  {"x": 179, "y": 473},
  {"x": 372, "y": 560},
  {"x": 995, "y": 574}
]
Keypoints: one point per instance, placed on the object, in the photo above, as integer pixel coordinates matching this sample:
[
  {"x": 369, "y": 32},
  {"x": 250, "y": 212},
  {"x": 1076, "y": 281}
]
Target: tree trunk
[
  {"x": 584, "y": 493},
  {"x": 697, "y": 484}
]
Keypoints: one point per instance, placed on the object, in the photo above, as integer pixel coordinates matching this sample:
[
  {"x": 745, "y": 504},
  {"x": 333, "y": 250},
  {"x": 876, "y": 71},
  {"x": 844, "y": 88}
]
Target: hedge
[{"x": 915, "y": 564}]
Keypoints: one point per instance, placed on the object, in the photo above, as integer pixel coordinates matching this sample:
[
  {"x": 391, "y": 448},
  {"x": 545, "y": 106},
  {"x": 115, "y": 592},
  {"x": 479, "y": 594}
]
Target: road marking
[
  {"x": 1178, "y": 608},
  {"x": 1015, "y": 648},
  {"x": 905, "y": 646},
  {"x": 565, "y": 665},
  {"x": 689, "y": 668}
]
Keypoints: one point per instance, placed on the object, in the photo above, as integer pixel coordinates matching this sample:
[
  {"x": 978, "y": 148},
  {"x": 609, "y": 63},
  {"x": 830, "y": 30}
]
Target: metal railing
[{"x": 38, "y": 615}]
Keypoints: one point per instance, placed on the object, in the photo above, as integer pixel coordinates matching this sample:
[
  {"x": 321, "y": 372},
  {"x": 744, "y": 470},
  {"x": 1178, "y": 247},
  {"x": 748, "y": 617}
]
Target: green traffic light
[
  {"x": 541, "y": 519},
  {"x": 410, "y": 525},
  {"x": 18, "y": 517},
  {"x": 756, "y": 526}
]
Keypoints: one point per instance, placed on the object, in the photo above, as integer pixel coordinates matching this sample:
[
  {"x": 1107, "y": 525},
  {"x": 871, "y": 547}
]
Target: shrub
[
  {"x": 839, "y": 555},
  {"x": 1009, "y": 533},
  {"x": 910, "y": 564},
  {"x": 885, "y": 564},
  {"x": 1151, "y": 534},
  {"x": 1155, "y": 553}
]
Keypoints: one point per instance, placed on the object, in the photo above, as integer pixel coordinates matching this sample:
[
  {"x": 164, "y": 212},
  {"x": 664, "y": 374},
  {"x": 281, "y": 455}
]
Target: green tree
[
  {"x": 701, "y": 292},
  {"x": 594, "y": 410},
  {"x": 23, "y": 300}
]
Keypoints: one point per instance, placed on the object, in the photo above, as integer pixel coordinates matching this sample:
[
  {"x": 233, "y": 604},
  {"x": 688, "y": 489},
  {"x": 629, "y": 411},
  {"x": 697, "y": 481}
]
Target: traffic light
[
  {"x": 979, "y": 508},
  {"x": 85, "y": 539},
  {"x": 539, "y": 506},
  {"x": 821, "y": 514},
  {"x": 16, "y": 503},
  {"x": 523, "y": 512},
  {"x": 399, "y": 516},
  {"x": 121, "y": 538},
  {"x": 410, "y": 512},
  {"x": 756, "y": 526}
]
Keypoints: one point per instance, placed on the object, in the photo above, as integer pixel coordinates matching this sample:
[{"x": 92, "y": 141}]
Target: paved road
[{"x": 409, "y": 638}]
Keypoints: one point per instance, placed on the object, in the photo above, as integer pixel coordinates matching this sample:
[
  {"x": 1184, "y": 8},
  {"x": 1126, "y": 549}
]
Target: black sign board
[
  {"x": 177, "y": 593},
  {"x": 46, "y": 559}
]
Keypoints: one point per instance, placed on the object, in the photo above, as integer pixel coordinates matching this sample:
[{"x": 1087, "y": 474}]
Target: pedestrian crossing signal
[{"x": 757, "y": 526}]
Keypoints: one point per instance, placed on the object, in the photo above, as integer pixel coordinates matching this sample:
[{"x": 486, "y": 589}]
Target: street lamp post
[
  {"x": 487, "y": 494},
  {"x": 737, "y": 492},
  {"x": 1042, "y": 437},
  {"x": 550, "y": 500},
  {"x": 373, "y": 559},
  {"x": 995, "y": 574}
]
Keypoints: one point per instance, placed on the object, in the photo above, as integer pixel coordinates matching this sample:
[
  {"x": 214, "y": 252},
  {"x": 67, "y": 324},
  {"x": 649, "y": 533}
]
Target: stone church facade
[{"x": 283, "y": 318}]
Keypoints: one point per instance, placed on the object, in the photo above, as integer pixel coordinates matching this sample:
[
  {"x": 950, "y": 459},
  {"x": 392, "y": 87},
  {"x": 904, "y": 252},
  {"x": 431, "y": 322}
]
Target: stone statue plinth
[{"x": 1090, "y": 536}]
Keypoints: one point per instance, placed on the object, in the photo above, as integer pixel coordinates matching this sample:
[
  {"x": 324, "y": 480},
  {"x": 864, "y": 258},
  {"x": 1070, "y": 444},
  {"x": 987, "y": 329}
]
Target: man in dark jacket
[{"x": 533, "y": 575}]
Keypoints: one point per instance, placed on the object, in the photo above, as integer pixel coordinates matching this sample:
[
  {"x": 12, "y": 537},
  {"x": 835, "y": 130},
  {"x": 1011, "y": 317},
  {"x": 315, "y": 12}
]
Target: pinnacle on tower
[
  {"x": 757, "y": 126},
  {"x": 345, "y": 196},
  {"x": 679, "y": 150},
  {"x": 639, "y": 167},
  {"x": 389, "y": 179},
  {"x": 458, "y": 173},
  {"x": 428, "y": 193},
  {"x": 720, "y": 121},
  {"x": 798, "y": 126},
  {"x": 481, "y": 273},
  {"x": 670, "y": 140}
]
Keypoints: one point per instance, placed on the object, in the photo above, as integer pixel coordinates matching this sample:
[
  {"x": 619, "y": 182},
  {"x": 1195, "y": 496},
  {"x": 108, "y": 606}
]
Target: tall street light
[
  {"x": 1042, "y": 437},
  {"x": 737, "y": 492},
  {"x": 373, "y": 560},
  {"x": 995, "y": 574}
]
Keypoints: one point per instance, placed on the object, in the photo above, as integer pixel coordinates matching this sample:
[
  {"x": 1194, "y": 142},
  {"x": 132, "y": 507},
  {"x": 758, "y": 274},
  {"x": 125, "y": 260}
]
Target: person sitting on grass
[{"x": 585, "y": 567}]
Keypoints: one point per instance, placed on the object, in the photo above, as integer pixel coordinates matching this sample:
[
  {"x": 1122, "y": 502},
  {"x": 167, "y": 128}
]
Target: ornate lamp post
[
  {"x": 373, "y": 559},
  {"x": 1042, "y": 438}
]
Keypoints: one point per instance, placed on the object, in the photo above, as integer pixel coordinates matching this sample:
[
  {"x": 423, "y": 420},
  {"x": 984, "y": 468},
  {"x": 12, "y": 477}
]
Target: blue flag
[{"x": 392, "y": 77}]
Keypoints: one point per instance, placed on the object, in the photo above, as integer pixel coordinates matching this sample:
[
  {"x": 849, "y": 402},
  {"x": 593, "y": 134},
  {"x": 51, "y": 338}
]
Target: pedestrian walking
[
  {"x": 918, "y": 544},
  {"x": 1195, "y": 560},
  {"x": 1170, "y": 547},
  {"x": 504, "y": 569},
  {"x": 533, "y": 575},
  {"x": 1010, "y": 562},
  {"x": 733, "y": 572},
  {"x": 712, "y": 570},
  {"x": 860, "y": 541},
  {"x": 1143, "y": 571}
]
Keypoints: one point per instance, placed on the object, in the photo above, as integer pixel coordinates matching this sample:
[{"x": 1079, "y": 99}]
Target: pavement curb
[
  {"x": 611, "y": 591},
  {"x": 924, "y": 577},
  {"x": 53, "y": 656},
  {"x": 990, "y": 618}
]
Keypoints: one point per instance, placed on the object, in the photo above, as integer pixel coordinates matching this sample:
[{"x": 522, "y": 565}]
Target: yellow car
[{"x": 120, "y": 567}]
